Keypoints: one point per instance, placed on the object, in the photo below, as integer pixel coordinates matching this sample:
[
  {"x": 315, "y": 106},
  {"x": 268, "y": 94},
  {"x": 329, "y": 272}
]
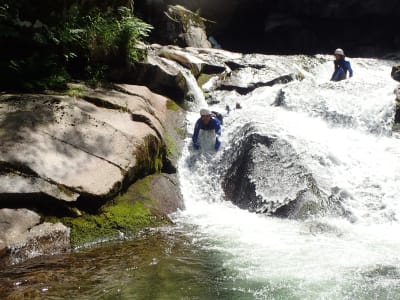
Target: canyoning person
[
  {"x": 342, "y": 66},
  {"x": 207, "y": 131}
]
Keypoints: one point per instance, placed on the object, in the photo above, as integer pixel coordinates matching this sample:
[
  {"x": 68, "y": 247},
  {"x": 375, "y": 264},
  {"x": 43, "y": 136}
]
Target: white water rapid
[{"x": 342, "y": 134}]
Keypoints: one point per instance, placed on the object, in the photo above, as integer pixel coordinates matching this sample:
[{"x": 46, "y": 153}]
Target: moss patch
[
  {"x": 76, "y": 91},
  {"x": 128, "y": 214},
  {"x": 203, "y": 78},
  {"x": 150, "y": 156},
  {"x": 172, "y": 149},
  {"x": 181, "y": 132},
  {"x": 171, "y": 105}
]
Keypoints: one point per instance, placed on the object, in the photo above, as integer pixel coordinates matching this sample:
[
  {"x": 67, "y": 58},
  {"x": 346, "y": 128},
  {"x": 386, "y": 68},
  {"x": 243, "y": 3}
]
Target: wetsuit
[
  {"x": 342, "y": 66},
  {"x": 214, "y": 124}
]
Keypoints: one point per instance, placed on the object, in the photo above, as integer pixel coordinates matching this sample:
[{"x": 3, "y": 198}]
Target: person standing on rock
[
  {"x": 342, "y": 66},
  {"x": 206, "y": 131}
]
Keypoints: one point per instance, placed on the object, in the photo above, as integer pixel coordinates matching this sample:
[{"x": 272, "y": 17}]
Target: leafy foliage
[{"x": 54, "y": 41}]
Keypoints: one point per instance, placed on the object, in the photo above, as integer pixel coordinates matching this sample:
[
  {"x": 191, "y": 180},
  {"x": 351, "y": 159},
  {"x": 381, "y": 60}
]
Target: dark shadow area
[
  {"x": 40, "y": 203},
  {"x": 362, "y": 29}
]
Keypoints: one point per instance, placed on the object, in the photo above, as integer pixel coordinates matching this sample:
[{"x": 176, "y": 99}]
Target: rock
[
  {"x": 171, "y": 199},
  {"x": 43, "y": 239},
  {"x": 22, "y": 237},
  {"x": 146, "y": 203},
  {"x": 66, "y": 147},
  {"x": 185, "y": 28},
  {"x": 264, "y": 176},
  {"x": 89, "y": 145},
  {"x": 397, "y": 113},
  {"x": 396, "y": 73},
  {"x": 16, "y": 222},
  {"x": 397, "y": 93},
  {"x": 165, "y": 70},
  {"x": 157, "y": 74}
]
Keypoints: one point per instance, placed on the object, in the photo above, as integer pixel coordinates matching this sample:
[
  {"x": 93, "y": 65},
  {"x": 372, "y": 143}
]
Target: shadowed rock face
[{"x": 362, "y": 28}]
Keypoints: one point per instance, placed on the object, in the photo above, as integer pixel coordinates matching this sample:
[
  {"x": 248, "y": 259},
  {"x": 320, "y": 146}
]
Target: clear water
[{"x": 342, "y": 133}]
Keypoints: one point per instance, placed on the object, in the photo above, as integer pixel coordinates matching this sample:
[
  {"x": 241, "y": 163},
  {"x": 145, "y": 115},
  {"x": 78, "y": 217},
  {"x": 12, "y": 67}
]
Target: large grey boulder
[
  {"x": 88, "y": 145},
  {"x": 264, "y": 175}
]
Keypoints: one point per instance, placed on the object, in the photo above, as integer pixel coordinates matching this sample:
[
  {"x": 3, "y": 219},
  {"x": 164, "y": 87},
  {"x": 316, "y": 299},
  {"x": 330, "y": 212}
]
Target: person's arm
[
  {"x": 217, "y": 128},
  {"x": 349, "y": 68},
  {"x": 195, "y": 136}
]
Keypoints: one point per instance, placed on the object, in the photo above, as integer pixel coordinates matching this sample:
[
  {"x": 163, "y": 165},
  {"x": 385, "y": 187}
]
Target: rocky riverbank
[{"x": 96, "y": 164}]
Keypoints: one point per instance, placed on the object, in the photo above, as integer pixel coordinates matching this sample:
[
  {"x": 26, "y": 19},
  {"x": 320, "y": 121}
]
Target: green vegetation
[
  {"x": 47, "y": 44},
  {"x": 172, "y": 150},
  {"x": 129, "y": 213},
  {"x": 150, "y": 156},
  {"x": 171, "y": 105},
  {"x": 203, "y": 78}
]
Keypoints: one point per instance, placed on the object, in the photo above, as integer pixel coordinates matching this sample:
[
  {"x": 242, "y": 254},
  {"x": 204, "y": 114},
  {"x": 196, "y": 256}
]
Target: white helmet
[
  {"x": 339, "y": 51},
  {"x": 205, "y": 112}
]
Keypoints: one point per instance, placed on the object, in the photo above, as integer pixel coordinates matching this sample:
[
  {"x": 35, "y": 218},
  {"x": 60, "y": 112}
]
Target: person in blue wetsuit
[
  {"x": 207, "y": 124},
  {"x": 342, "y": 66}
]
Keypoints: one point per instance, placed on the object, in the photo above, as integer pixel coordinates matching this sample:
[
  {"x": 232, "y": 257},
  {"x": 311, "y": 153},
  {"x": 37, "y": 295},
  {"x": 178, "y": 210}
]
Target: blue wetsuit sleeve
[
  {"x": 196, "y": 131},
  {"x": 217, "y": 127},
  {"x": 348, "y": 65}
]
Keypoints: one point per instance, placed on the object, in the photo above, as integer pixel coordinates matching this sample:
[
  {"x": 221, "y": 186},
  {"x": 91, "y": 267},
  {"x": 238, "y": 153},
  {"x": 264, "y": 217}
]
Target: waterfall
[{"x": 341, "y": 132}]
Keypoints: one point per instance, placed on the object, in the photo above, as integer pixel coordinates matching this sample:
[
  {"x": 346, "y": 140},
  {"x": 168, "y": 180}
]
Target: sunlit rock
[
  {"x": 90, "y": 143},
  {"x": 22, "y": 236}
]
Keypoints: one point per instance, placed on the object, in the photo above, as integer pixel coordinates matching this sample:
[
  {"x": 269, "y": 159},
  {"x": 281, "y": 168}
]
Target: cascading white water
[{"x": 341, "y": 131}]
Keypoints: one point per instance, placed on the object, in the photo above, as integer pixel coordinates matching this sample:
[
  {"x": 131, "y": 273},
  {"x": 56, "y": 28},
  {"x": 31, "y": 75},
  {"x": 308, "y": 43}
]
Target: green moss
[
  {"x": 186, "y": 17},
  {"x": 150, "y": 156},
  {"x": 75, "y": 91},
  {"x": 65, "y": 190},
  {"x": 181, "y": 132},
  {"x": 172, "y": 149},
  {"x": 171, "y": 105},
  {"x": 129, "y": 213},
  {"x": 203, "y": 78}
]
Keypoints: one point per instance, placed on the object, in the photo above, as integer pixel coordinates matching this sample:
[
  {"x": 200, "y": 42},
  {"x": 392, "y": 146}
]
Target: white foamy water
[{"x": 342, "y": 133}]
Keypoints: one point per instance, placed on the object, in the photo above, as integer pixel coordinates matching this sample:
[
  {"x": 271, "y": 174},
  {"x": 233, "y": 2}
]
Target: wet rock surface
[{"x": 264, "y": 175}]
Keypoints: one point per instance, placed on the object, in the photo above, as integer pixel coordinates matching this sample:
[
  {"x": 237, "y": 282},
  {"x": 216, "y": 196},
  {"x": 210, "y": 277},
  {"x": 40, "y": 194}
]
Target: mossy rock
[
  {"x": 203, "y": 78},
  {"x": 124, "y": 216},
  {"x": 171, "y": 105}
]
